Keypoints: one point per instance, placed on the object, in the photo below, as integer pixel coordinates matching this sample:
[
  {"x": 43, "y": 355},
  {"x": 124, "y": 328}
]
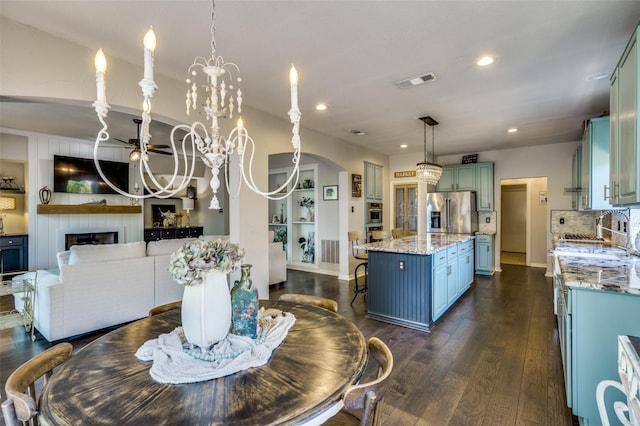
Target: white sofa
[{"x": 99, "y": 286}]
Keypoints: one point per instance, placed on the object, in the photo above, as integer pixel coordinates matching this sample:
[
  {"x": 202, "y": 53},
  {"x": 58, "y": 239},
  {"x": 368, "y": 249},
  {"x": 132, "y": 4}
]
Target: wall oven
[{"x": 374, "y": 212}]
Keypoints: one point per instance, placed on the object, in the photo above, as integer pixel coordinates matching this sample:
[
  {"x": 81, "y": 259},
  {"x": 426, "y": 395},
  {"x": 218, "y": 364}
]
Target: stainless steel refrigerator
[{"x": 452, "y": 212}]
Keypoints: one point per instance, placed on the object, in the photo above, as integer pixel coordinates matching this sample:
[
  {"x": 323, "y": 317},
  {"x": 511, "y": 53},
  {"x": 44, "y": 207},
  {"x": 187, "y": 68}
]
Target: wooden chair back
[
  {"x": 308, "y": 299},
  {"x": 361, "y": 400},
  {"x": 356, "y": 238},
  {"x": 366, "y": 396},
  {"x": 380, "y": 235},
  {"x": 22, "y": 403},
  {"x": 397, "y": 233},
  {"x": 164, "y": 308}
]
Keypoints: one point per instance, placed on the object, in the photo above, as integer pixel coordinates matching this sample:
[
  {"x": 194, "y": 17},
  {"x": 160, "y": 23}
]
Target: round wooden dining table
[{"x": 105, "y": 384}]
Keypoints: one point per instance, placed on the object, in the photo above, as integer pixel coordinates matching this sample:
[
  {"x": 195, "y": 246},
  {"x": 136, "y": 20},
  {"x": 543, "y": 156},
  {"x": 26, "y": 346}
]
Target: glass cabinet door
[{"x": 406, "y": 208}]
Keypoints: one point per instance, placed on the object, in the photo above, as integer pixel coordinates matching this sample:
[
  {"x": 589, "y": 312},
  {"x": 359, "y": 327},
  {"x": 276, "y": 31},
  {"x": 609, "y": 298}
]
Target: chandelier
[
  {"x": 214, "y": 92},
  {"x": 425, "y": 171}
]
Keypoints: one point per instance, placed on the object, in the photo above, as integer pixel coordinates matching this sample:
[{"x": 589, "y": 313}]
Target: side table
[{"x": 25, "y": 317}]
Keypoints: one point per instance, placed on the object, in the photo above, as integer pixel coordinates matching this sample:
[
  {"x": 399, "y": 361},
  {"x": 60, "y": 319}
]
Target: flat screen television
[{"x": 80, "y": 176}]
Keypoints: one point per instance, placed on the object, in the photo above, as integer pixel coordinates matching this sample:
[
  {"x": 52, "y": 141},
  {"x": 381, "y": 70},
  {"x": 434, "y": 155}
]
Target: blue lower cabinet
[
  {"x": 439, "y": 278},
  {"x": 484, "y": 254},
  {"x": 597, "y": 318}
]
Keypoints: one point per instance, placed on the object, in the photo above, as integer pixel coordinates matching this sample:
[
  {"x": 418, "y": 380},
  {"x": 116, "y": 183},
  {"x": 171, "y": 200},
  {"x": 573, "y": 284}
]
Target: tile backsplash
[
  {"x": 584, "y": 222},
  {"x": 483, "y": 225}
]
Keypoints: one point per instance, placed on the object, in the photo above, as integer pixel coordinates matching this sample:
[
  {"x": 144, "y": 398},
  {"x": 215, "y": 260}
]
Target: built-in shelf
[{"x": 86, "y": 209}]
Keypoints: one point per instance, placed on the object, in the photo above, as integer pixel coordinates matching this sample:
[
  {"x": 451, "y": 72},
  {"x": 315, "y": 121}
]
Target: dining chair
[
  {"x": 22, "y": 404},
  {"x": 361, "y": 401},
  {"x": 355, "y": 238},
  {"x": 397, "y": 233},
  {"x": 308, "y": 299},
  {"x": 164, "y": 308},
  {"x": 380, "y": 235}
]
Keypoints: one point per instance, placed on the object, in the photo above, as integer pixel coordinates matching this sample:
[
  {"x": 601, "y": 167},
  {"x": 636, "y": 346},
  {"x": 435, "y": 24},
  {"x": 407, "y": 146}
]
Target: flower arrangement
[
  {"x": 189, "y": 264},
  {"x": 306, "y": 202}
]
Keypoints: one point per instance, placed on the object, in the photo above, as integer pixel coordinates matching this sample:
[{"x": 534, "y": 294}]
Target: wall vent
[
  {"x": 330, "y": 251},
  {"x": 417, "y": 80}
]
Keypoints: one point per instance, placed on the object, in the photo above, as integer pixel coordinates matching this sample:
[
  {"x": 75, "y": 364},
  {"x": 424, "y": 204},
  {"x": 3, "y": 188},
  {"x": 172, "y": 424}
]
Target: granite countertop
[
  {"x": 423, "y": 244},
  {"x": 598, "y": 267},
  {"x": 485, "y": 232}
]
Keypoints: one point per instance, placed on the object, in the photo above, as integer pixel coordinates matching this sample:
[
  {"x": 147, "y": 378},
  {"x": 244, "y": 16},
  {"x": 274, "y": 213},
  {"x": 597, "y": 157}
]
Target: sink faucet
[{"x": 599, "y": 226}]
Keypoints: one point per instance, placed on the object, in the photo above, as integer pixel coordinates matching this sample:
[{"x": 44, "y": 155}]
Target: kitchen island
[
  {"x": 597, "y": 298},
  {"x": 414, "y": 280}
]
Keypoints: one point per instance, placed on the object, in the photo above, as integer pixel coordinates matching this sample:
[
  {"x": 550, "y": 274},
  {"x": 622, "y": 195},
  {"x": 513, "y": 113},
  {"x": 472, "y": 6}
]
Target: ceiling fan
[{"x": 134, "y": 143}]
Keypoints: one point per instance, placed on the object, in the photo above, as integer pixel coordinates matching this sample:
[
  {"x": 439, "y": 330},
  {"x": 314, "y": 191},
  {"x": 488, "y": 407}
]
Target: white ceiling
[{"x": 349, "y": 54}]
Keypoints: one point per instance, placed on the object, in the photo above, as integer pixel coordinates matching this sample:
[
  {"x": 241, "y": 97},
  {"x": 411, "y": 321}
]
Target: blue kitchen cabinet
[
  {"x": 596, "y": 318},
  {"x": 439, "y": 277},
  {"x": 484, "y": 254},
  {"x": 576, "y": 179},
  {"x": 460, "y": 177},
  {"x": 477, "y": 177},
  {"x": 484, "y": 187},
  {"x": 373, "y": 181},
  {"x": 595, "y": 165},
  {"x": 624, "y": 103},
  {"x": 453, "y": 282},
  {"x": 447, "y": 182},
  {"x": 465, "y": 266},
  {"x": 451, "y": 276}
]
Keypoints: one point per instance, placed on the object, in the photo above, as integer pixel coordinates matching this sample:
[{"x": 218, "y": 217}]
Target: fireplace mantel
[{"x": 86, "y": 209}]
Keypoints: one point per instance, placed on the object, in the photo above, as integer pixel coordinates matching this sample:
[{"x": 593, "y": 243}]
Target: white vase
[{"x": 206, "y": 310}]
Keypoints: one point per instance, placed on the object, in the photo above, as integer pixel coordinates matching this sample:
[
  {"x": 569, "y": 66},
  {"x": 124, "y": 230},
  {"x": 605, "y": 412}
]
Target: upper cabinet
[
  {"x": 576, "y": 179},
  {"x": 476, "y": 177},
  {"x": 460, "y": 177},
  {"x": 373, "y": 181},
  {"x": 624, "y": 177},
  {"x": 594, "y": 167}
]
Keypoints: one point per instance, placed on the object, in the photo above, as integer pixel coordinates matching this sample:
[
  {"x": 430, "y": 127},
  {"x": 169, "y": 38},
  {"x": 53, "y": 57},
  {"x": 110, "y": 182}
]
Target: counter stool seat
[{"x": 355, "y": 238}]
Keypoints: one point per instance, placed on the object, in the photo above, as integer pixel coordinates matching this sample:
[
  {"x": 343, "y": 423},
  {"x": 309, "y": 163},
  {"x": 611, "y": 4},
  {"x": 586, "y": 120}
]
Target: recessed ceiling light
[
  {"x": 357, "y": 132},
  {"x": 485, "y": 60},
  {"x": 321, "y": 107},
  {"x": 512, "y": 130},
  {"x": 600, "y": 76},
  {"x": 404, "y": 145}
]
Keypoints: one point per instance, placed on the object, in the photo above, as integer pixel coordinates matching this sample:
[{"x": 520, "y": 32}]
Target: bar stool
[
  {"x": 380, "y": 235},
  {"x": 354, "y": 239}
]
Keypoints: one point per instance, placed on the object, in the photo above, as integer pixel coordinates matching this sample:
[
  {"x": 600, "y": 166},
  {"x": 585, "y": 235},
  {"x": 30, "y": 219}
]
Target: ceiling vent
[{"x": 416, "y": 81}]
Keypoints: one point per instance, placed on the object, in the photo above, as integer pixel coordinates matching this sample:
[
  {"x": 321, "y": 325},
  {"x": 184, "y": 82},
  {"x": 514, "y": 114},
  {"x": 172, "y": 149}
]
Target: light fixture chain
[
  {"x": 213, "y": 29},
  {"x": 425, "y": 141},
  {"x": 433, "y": 144}
]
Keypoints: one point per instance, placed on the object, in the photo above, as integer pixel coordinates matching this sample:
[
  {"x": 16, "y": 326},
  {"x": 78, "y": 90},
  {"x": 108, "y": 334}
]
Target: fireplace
[{"x": 90, "y": 238}]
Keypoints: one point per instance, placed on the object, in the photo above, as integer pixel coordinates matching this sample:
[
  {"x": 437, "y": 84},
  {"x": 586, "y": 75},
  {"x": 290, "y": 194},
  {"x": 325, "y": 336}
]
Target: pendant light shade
[{"x": 429, "y": 172}]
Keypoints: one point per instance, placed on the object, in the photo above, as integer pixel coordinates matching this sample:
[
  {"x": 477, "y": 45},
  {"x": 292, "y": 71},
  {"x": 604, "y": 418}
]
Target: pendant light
[{"x": 425, "y": 171}]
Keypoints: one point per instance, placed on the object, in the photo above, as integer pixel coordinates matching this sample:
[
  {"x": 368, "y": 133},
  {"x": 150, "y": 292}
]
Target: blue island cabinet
[
  {"x": 413, "y": 290},
  {"x": 400, "y": 289}
]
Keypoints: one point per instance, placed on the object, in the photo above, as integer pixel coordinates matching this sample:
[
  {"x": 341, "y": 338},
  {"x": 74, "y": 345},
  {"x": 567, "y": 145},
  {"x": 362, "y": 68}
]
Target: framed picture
[
  {"x": 157, "y": 210},
  {"x": 356, "y": 186},
  {"x": 330, "y": 192}
]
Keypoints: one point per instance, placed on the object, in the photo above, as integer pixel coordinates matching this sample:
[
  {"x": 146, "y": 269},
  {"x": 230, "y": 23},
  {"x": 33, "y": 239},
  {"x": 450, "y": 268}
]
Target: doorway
[
  {"x": 406, "y": 208},
  {"x": 513, "y": 228},
  {"x": 523, "y": 223}
]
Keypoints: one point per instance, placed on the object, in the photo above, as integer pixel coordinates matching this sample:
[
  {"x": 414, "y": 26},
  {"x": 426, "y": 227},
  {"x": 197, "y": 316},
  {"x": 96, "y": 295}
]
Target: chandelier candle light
[
  {"x": 425, "y": 171},
  {"x": 220, "y": 99}
]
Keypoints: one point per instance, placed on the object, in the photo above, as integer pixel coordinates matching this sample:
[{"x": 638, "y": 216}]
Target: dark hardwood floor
[{"x": 492, "y": 359}]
